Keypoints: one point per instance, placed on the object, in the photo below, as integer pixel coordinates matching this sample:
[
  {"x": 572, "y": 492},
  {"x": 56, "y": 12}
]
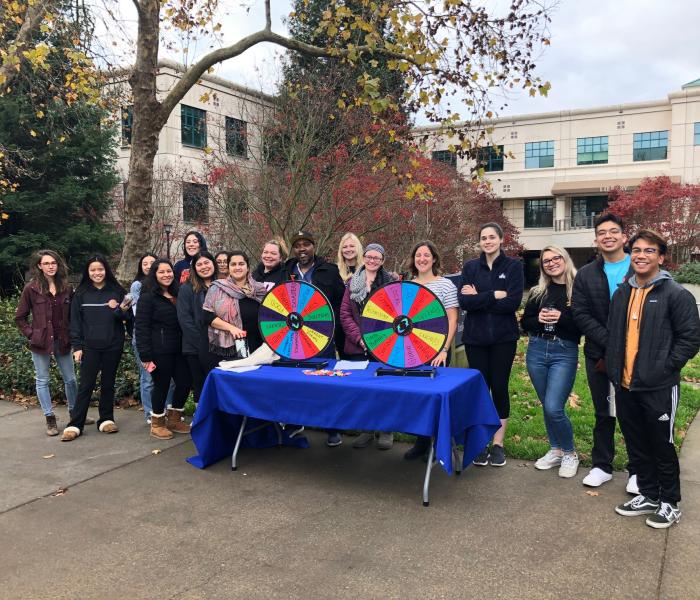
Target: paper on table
[
  {"x": 240, "y": 369},
  {"x": 351, "y": 365}
]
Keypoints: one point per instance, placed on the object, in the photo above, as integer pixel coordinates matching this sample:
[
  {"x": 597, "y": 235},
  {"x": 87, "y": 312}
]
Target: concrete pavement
[{"x": 317, "y": 523}]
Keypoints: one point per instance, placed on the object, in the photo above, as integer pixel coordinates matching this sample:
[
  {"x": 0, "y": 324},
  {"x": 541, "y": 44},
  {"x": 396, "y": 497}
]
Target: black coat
[
  {"x": 190, "y": 317},
  {"x": 93, "y": 324},
  {"x": 590, "y": 303},
  {"x": 325, "y": 277},
  {"x": 157, "y": 327},
  {"x": 276, "y": 275},
  {"x": 669, "y": 336},
  {"x": 489, "y": 321}
]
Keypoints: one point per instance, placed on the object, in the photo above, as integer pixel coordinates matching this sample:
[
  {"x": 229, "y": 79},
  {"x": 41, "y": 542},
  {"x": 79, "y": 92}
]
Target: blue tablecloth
[{"x": 455, "y": 404}]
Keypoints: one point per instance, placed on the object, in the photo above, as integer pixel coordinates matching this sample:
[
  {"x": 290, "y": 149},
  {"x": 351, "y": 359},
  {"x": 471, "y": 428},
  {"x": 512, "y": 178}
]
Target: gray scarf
[{"x": 358, "y": 286}]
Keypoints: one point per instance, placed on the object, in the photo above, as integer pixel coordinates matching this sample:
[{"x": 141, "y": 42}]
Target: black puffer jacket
[
  {"x": 325, "y": 277},
  {"x": 669, "y": 335},
  {"x": 590, "y": 303},
  {"x": 157, "y": 327}
]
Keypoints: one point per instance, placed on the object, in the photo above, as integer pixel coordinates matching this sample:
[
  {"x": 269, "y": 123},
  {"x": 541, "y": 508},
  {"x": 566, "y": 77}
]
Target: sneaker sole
[
  {"x": 546, "y": 467},
  {"x": 666, "y": 525},
  {"x": 567, "y": 475},
  {"x": 333, "y": 444},
  {"x": 591, "y": 484},
  {"x": 633, "y": 513},
  {"x": 503, "y": 464},
  {"x": 480, "y": 464}
]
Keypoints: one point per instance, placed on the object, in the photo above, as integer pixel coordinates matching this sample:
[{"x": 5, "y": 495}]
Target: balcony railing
[{"x": 576, "y": 222}]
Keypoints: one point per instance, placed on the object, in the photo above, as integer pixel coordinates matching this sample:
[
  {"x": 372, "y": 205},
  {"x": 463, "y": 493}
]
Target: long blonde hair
[
  {"x": 345, "y": 272},
  {"x": 569, "y": 273}
]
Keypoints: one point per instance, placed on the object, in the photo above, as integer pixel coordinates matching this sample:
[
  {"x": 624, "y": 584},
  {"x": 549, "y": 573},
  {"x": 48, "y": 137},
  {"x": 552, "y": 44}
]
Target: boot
[
  {"x": 51, "y": 426},
  {"x": 174, "y": 423},
  {"x": 158, "y": 428}
]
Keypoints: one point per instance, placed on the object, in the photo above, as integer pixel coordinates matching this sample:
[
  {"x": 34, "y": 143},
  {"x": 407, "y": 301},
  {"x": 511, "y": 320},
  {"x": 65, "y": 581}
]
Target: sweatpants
[
  {"x": 170, "y": 366},
  {"x": 495, "y": 363},
  {"x": 647, "y": 420},
  {"x": 94, "y": 363}
]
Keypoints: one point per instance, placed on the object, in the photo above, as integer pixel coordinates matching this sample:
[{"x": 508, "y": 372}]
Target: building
[{"x": 553, "y": 171}]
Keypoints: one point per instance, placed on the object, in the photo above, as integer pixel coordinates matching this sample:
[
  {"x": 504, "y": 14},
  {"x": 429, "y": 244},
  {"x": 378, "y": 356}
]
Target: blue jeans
[
  {"x": 552, "y": 368},
  {"x": 146, "y": 386},
  {"x": 42, "y": 363}
]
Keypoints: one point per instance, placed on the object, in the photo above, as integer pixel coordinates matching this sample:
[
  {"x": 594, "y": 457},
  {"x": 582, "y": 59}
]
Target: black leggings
[
  {"x": 198, "y": 375},
  {"x": 169, "y": 366},
  {"x": 495, "y": 362}
]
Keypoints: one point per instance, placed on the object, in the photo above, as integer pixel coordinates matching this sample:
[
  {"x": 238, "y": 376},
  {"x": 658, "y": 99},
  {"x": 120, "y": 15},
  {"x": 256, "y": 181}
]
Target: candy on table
[{"x": 326, "y": 373}]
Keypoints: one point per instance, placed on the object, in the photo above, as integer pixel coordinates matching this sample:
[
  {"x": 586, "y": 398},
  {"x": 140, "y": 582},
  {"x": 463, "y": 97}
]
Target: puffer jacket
[{"x": 157, "y": 328}]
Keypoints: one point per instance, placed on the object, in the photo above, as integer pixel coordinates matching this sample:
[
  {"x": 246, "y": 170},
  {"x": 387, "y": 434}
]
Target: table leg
[
  {"x": 456, "y": 462},
  {"x": 428, "y": 469},
  {"x": 244, "y": 420}
]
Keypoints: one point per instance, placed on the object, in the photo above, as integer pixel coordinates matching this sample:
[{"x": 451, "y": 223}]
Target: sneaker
[
  {"x": 569, "y": 465},
  {"x": 497, "y": 458},
  {"x": 596, "y": 477},
  {"x": 667, "y": 515},
  {"x": 548, "y": 461},
  {"x": 334, "y": 439},
  {"x": 482, "y": 459},
  {"x": 385, "y": 440},
  {"x": 363, "y": 440},
  {"x": 419, "y": 449},
  {"x": 639, "y": 505},
  {"x": 632, "y": 487}
]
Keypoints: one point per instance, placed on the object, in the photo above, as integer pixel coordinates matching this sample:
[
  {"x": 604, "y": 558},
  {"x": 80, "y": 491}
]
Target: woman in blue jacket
[{"x": 491, "y": 289}]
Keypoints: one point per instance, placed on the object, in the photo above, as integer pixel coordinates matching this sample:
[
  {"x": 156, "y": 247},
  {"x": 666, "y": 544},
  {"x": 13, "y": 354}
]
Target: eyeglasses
[
  {"x": 604, "y": 232},
  {"x": 53, "y": 263},
  {"x": 547, "y": 261},
  {"x": 374, "y": 258},
  {"x": 647, "y": 251}
]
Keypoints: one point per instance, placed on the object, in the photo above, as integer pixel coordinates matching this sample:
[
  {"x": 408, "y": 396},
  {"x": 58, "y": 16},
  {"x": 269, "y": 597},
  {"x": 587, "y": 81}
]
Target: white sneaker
[
  {"x": 548, "y": 461},
  {"x": 632, "y": 487},
  {"x": 569, "y": 465},
  {"x": 596, "y": 477}
]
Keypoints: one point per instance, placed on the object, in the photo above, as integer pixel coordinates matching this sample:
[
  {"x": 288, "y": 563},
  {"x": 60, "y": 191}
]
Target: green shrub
[{"x": 688, "y": 273}]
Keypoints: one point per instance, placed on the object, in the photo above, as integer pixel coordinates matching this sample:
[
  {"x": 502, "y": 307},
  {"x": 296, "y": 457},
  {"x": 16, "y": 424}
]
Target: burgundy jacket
[{"x": 40, "y": 331}]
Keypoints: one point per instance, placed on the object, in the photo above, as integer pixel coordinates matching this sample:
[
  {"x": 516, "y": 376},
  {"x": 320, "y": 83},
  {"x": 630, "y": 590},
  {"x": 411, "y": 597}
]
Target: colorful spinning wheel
[
  {"x": 404, "y": 324},
  {"x": 296, "y": 320}
]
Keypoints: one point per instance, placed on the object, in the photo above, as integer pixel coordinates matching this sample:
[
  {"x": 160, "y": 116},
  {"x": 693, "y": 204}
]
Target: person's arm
[
  {"x": 220, "y": 324},
  {"x": 144, "y": 326},
  {"x": 452, "y": 318},
  {"x": 581, "y": 308},
  {"x": 530, "y": 319},
  {"x": 469, "y": 297},
  {"x": 352, "y": 330},
  {"x": 685, "y": 323},
  {"x": 24, "y": 309},
  {"x": 185, "y": 311},
  {"x": 514, "y": 292}
]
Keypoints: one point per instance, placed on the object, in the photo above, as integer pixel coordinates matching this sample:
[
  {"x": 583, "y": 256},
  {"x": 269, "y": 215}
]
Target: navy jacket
[
  {"x": 489, "y": 321},
  {"x": 190, "y": 317},
  {"x": 93, "y": 324},
  {"x": 157, "y": 327}
]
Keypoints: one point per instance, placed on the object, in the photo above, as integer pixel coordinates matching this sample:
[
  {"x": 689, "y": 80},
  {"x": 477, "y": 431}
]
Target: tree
[{"x": 670, "y": 208}]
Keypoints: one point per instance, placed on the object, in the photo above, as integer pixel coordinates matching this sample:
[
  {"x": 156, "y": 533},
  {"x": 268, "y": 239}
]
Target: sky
[{"x": 602, "y": 52}]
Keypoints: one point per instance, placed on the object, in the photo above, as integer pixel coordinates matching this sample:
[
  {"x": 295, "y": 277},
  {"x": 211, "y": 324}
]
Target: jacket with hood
[
  {"x": 185, "y": 263},
  {"x": 274, "y": 276},
  {"x": 669, "y": 334}
]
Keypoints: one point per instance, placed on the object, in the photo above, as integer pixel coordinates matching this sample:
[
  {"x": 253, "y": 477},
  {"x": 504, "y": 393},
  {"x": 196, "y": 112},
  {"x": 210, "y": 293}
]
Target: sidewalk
[{"x": 317, "y": 523}]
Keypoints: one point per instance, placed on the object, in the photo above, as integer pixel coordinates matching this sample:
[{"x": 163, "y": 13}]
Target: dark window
[
  {"x": 592, "y": 150},
  {"x": 236, "y": 137},
  {"x": 445, "y": 156},
  {"x": 652, "y": 145},
  {"x": 195, "y": 203},
  {"x": 127, "y": 121},
  {"x": 539, "y": 155},
  {"x": 490, "y": 158},
  {"x": 193, "y": 126},
  {"x": 696, "y": 135},
  {"x": 584, "y": 209},
  {"x": 539, "y": 212}
]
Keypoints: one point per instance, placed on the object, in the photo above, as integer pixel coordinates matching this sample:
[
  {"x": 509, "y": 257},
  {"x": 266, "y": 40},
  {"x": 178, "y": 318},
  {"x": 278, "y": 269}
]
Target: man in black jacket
[
  {"x": 653, "y": 330},
  {"x": 594, "y": 286}
]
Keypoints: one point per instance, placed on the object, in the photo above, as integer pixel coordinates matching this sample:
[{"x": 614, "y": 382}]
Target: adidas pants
[{"x": 646, "y": 420}]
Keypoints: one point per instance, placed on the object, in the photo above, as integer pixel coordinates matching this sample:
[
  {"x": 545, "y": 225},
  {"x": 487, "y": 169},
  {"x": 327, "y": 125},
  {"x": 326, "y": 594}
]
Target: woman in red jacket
[{"x": 43, "y": 316}]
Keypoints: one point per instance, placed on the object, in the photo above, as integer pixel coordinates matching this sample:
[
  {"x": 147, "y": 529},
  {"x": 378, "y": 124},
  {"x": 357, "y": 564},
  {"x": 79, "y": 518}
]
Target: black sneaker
[
  {"x": 482, "y": 459},
  {"x": 639, "y": 505},
  {"x": 497, "y": 457},
  {"x": 667, "y": 515},
  {"x": 419, "y": 449}
]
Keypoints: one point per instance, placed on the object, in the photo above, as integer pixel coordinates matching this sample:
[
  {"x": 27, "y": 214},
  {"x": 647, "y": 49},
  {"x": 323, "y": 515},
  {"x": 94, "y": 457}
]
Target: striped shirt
[{"x": 445, "y": 290}]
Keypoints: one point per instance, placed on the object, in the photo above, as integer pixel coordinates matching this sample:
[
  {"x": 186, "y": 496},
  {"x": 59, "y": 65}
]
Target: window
[
  {"x": 445, "y": 156},
  {"x": 652, "y": 145},
  {"x": 584, "y": 209},
  {"x": 490, "y": 158},
  {"x": 539, "y": 155},
  {"x": 195, "y": 203},
  {"x": 696, "y": 135},
  {"x": 127, "y": 121},
  {"x": 236, "y": 137},
  {"x": 592, "y": 150},
  {"x": 193, "y": 126},
  {"x": 539, "y": 212}
]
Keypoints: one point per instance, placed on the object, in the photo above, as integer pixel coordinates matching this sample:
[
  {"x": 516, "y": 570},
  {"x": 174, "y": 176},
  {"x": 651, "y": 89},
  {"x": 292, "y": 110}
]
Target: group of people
[{"x": 640, "y": 329}]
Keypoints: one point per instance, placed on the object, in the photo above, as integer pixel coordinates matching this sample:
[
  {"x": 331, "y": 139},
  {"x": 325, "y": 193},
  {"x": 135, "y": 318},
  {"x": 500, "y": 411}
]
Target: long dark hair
[
  {"x": 437, "y": 265},
  {"x": 36, "y": 275},
  {"x": 202, "y": 243},
  {"x": 150, "y": 283},
  {"x": 110, "y": 279},
  {"x": 140, "y": 275},
  {"x": 198, "y": 283}
]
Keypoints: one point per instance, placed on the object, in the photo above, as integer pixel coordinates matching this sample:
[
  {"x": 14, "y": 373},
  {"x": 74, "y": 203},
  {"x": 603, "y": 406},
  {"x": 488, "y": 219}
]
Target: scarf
[
  {"x": 222, "y": 299},
  {"x": 358, "y": 283}
]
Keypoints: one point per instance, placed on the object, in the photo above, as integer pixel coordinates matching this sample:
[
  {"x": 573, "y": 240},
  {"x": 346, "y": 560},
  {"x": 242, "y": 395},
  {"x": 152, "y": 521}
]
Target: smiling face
[
  {"x": 490, "y": 241},
  {"x": 373, "y": 261},
  {"x": 646, "y": 259},
  {"x": 553, "y": 264},
  {"x": 191, "y": 244},
  {"x": 304, "y": 251},
  {"x": 349, "y": 251},
  {"x": 424, "y": 260},
  {"x": 164, "y": 275},
  {"x": 221, "y": 264},
  {"x": 96, "y": 272},
  {"x": 238, "y": 268},
  {"x": 146, "y": 264},
  {"x": 609, "y": 238},
  {"x": 205, "y": 268},
  {"x": 48, "y": 265},
  {"x": 271, "y": 256}
]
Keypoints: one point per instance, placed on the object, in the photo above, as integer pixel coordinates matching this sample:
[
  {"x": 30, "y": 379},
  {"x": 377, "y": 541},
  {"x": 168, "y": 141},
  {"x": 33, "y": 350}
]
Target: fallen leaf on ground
[
  {"x": 523, "y": 465},
  {"x": 156, "y": 451},
  {"x": 592, "y": 493},
  {"x": 516, "y": 438},
  {"x": 573, "y": 401},
  {"x": 60, "y": 492},
  {"x": 48, "y": 456}
]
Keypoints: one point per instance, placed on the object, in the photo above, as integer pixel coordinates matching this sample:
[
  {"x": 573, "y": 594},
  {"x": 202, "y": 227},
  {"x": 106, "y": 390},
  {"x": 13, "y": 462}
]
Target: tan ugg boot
[
  {"x": 70, "y": 433},
  {"x": 174, "y": 423},
  {"x": 158, "y": 428}
]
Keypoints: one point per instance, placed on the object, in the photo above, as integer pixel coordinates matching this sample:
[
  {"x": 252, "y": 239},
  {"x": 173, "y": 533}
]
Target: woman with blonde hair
[
  {"x": 349, "y": 256},
  {"x": 552, "y": 354},
  {"x": 270, "y": 271}
]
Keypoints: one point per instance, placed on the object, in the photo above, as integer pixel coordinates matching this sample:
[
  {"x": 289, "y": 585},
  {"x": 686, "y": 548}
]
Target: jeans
[
  {"x": 42, "y": 362},
  {"x": 146, "y": 386},
  {"x": 552, "y": 368}
]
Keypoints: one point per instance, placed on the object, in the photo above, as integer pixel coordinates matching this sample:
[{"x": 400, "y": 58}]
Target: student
[
  {"x": 98, "y": 312},
  {"x": 194, "y": 242},
  {"x": 350, "y": 256},
  {"x": 594, "y": 286},
  {"x": 270, "y": 271},
  {"x": 552, "y": 354},
  {"x": 653, "y": 330},
  {"x": 43, "y": 316},
  {"x": 491, "y": 289},
  {"x": 221, "y": 264},
  {"x": 159, "y": 341}
]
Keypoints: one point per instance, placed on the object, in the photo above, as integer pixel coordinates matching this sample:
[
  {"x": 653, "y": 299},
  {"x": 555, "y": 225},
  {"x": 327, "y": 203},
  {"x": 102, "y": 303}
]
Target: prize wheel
[
  {"x": 296, "y": 320},
  {"x": 404, "y": 324}
]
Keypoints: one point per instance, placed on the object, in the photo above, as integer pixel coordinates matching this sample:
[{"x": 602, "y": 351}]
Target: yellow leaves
[
  {"x": 40, "y": 114},
  {"x": 207, "y": 150},
  {"x": 341, "y": 104},
  {"x": 205, "y": 97},
  {"x": 32, "y": 133}
]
